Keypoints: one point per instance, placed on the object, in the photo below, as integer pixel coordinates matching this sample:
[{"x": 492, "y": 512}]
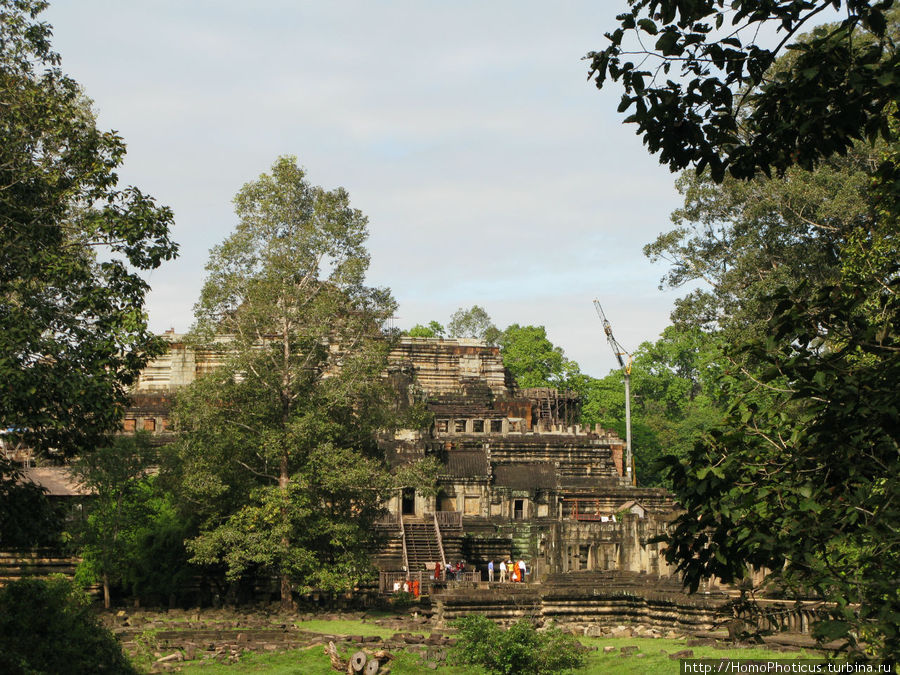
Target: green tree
[
  {"x": 807, "y": 486},
  {"x": 73, "y": 332},
  {"x": 121, "y": 507},
  {"x": 277, "y": 452},
  {"x": 801, "y": 479},
  {"x": 473, "y": 323},
  {"x": 745, "y": 239},
  {"x": 707, "y": 94},
  {"x": 533, "y": 360},
  {"x": 433, "y": 329},
  {"x": 678, "y": 391},
  {"x": 48, "y": 626}
]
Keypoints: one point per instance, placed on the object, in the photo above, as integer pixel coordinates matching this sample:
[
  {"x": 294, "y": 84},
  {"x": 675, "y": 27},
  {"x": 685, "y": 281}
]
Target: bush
[
  {"x": 521, "y": 650},
  {"x": 48, "y": 627},
  {"x": 403, "y": 599}
]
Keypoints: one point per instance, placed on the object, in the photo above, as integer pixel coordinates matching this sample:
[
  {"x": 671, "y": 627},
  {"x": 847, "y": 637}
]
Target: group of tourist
[
  {"x": 513, "y": 571},
  {"x": 452, "y": 572},
  {"x": 408, "y": 586}
]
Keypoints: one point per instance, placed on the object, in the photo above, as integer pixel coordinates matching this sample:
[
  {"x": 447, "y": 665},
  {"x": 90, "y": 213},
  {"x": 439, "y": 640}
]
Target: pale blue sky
[{"x": 491, "y": 171}]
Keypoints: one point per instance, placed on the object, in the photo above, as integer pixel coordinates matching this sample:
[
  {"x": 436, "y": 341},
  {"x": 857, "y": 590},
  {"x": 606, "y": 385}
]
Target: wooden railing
[
  {"x": 448, "y": 519},
  {"x": 440, "y": 540},
  {"x": 586, "y": 509},
  {"x": 403, "y": 539},
  {"x": 388, "y": 521}
]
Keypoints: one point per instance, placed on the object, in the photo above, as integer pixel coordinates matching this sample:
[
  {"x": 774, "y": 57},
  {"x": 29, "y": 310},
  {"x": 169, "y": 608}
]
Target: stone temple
[{"x": 519, "y": 479}]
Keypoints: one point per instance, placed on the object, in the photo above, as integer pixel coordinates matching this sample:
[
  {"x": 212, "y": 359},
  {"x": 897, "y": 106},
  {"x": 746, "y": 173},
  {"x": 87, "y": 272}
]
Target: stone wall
[{"x": 607, "y": 598}]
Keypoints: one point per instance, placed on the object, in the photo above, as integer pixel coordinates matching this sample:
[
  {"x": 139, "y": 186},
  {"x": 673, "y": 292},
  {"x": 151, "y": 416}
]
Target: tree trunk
[
  {"x": 105, "y": 591},
  {"x": 287, "y": 597}
]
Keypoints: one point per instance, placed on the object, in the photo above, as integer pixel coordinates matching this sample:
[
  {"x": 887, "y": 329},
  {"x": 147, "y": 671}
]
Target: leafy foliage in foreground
[
  {"x": 808, "y": 487},
  {"x": 520, "y": 650},
  {"x": 703, "y": 91},
  {"x": 48, "y": 627},
  {"x": 73, "y": 332}
]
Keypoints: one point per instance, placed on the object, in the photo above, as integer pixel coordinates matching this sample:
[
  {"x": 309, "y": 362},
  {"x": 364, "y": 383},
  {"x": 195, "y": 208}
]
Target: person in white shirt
[
  {"x": 502, "y": 571},
  {"x": 522, "y": 571}
]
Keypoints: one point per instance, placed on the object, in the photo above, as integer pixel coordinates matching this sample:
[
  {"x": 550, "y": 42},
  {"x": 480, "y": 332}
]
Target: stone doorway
[
  {"x": 408, "y": 502},
  {"x": 519, "y": 509}
]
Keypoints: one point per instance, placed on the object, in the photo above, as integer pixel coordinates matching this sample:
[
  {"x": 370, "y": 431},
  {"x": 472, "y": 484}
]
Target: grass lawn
[
  {"x": 312, "y": 661},
  {"x": 352, "y": 627}
]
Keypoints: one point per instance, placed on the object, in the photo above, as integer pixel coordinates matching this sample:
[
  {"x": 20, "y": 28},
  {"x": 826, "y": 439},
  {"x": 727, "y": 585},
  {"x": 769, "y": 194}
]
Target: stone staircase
[
  {"x": 390, "y": 555},
  {"x": 422, "y": 548}
]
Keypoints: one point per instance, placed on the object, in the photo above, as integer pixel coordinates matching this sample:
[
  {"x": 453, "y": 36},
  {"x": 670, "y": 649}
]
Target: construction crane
[{"x": 625, "y": 365}]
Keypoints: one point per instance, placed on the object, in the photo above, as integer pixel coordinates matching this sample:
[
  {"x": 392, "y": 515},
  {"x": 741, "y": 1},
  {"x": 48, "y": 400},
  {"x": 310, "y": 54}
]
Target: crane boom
[{"x": 620, "y": 351}]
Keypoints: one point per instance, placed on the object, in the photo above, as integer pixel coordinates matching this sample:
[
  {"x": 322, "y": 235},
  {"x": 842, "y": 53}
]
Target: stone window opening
[
  {"x": 442, "y": 426},
  {"x": 459, "y": 426},
  {"x": 150, "y": 424},
  {"x": 129, "y": 424},
  {"x": 496, "y": 426},
  {"x": 478, "y": 426}
]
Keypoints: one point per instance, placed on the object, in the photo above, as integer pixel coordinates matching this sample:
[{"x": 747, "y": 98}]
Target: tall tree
[
  {"x": 744, "y": 239},
  {"x": 533, "y": 360},
  {"x": 118, "y": 476},
  {"x": 277, "y": 446},
  {"x": 803, "y": 480},
  {"x": 473, "y": 323},
  {"x": 73, "y": 332}
]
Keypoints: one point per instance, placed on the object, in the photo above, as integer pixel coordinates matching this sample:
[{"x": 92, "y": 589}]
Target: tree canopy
[
  {"x": 107, "y": 537},
  {"x": 433, "y": 329},
  {"x": 533, "y": 360},
  {"x": 704, "y": 91},
  {"x": 277, "y": 454},
  {"x": 473, "y": 323},
  {"x": 802, "y": 269},
  {"x": 73, "y": 332}
]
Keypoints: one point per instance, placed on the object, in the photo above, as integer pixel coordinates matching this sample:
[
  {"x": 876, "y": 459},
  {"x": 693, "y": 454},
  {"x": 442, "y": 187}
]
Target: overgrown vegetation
[
  {"x": 799, "y": 251},
  {"x": 519, "y": 650},
  {"x": 73, "y": 244},
  {"x": 48, "y": 627}
]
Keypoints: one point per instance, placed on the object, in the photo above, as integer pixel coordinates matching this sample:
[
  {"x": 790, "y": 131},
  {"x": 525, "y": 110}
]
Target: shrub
[
  {"x": 403, "y": 599},
  {"x": 520, "y": 650},
  {"x": 48, "y": 627}
]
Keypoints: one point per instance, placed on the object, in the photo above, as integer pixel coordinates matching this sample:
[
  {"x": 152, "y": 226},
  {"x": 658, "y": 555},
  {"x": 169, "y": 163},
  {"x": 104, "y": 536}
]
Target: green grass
[
  {"x": 656, "y": 663},
  {"x": 347, "y": 627},
  {"x": 312, "y": 661}
]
